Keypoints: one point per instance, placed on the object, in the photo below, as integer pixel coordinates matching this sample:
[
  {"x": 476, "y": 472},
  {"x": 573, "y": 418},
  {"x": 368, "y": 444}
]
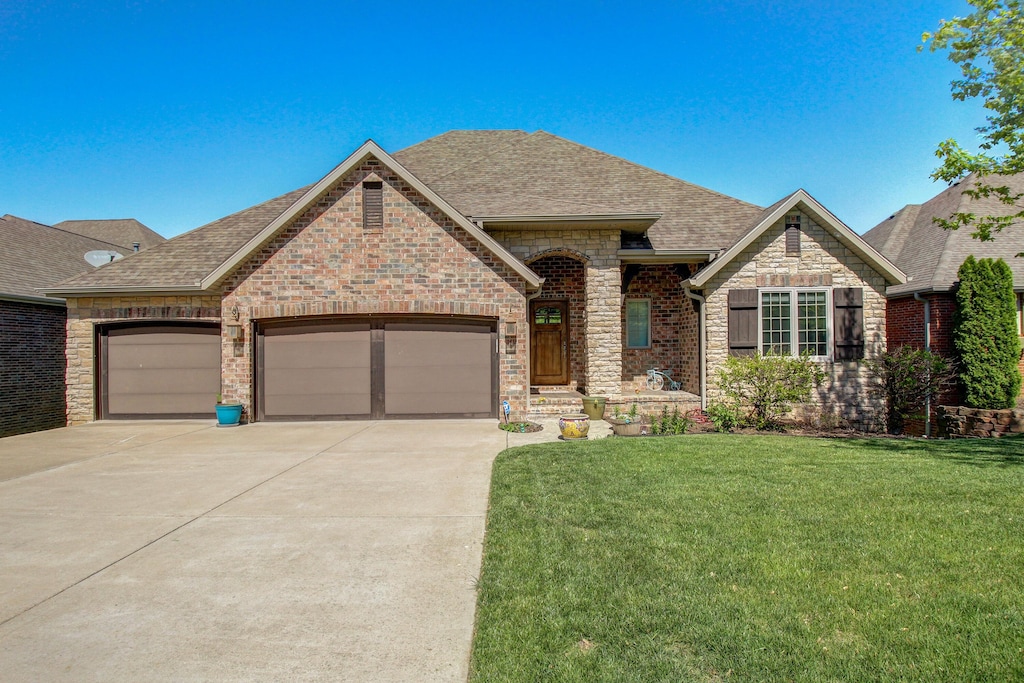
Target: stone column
[{"x": 604, "y": 319}]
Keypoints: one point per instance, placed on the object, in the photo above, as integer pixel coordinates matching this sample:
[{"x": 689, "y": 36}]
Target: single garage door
[
  {"x": 377, "y": 368},
  {"x": 159, "y": 371}
]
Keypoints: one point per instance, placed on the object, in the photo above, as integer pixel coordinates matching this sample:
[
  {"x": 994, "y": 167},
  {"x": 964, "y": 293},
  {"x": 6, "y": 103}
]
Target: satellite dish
[{"x": 102, "y": 256}]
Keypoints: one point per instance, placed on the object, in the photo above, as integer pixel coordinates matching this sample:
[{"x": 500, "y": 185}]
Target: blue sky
[{"x": 178, "y": 113}]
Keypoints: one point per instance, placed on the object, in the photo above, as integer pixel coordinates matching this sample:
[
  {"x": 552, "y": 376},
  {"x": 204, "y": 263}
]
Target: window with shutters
[
  {"x": 638, "y": 324},
  {"x": 373, "y": 206},
  {"x": 795, "y": 322}
]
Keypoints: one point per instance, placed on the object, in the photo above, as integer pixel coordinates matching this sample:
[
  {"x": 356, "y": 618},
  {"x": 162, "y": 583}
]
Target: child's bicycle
[{"x": 656, "y": 380}]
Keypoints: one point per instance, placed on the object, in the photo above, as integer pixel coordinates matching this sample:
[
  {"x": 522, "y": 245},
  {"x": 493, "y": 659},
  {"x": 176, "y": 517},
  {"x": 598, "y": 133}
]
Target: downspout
[
  {"x": 927, "y": 347},
  {"x": 701, "y": 327}
]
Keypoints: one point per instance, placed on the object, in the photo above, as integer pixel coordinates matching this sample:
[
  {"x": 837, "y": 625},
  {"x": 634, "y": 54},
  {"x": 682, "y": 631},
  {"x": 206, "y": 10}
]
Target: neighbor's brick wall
[
  {"x": 905, "y": 327},
  {"x": 823, "y": 261},
  {"x": 564, "y": 278},
  {"x": 32, "y": 367},
  {"x": 598, "y": 249},
  {"x": 84, "y": 314},
  {"x": 420, "y": 263},
  {"x": 674, "y": 324}
]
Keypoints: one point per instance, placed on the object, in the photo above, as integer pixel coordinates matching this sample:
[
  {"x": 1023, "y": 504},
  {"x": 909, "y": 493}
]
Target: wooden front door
[{"x": 549, "y": 342}]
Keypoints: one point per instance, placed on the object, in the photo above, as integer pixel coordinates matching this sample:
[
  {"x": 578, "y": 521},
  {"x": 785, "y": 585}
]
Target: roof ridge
[
  {"x": 470, "y": 162},
  {"x": 648, "y": 169},
  {"x": 66, "y": 232}
]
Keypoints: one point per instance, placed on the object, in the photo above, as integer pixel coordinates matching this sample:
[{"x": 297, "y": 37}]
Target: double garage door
[
  {"x": 324, "y": 369},
  {"x": 376, "y": 368}
]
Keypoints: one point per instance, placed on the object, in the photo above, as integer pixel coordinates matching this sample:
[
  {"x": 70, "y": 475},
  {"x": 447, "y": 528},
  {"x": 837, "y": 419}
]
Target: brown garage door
[
  {"x": 316, "y": 371},
  {"x": 376, "y": 369},
  {"x": 154, "y": 371}
]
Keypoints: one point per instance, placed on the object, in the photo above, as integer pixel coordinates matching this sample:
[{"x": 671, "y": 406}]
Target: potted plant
[
  {"x": 594, "y": 406},
  {"x": 631, "y": 423},
  {"x": 228, "y": 414}
]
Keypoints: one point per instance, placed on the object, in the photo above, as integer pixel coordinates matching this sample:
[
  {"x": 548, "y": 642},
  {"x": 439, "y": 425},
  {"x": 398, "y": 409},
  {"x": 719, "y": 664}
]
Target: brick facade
[
  {"x": 905, "y": 326},
  {"x": 84, "y": 314},
  {"x": 823, "y": 262},
  {"x": 674, "y": 334},
  {"x": 32, "y": 366},
  {"x": 421, "y": 262}
]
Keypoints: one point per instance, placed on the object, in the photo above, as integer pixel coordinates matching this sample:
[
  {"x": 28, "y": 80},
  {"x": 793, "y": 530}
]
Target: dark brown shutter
[
  {"x": 373, "y": 206},
  {"x": 849, "y": 322},
  {"x": 742, "y": 322}
]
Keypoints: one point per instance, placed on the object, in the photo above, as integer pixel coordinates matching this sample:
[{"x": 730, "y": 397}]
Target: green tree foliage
[
  {"x": 985, "y": 334},
  {"x": 905, "y": 378},
  {"x": 768, "y": 385},
  {"x": 988, "y": 46}
]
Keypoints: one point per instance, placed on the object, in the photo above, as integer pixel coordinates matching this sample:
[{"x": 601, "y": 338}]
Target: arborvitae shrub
[{"x": 985, "y": 334}]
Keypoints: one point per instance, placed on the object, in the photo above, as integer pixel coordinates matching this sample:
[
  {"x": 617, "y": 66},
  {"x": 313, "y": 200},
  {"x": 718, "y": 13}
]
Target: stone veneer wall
[
  {"x": 85, "y": 313},
  {"x": 564, "y": 278},
  {"x": 674, "y": 334},
  {"x": 823, "y": 262},
  {"x": 325, "y": 263},
  {"x": 957, "y": 421},
  {"x": 32, "y": 367},
  {"x": 602, "y": 321}
]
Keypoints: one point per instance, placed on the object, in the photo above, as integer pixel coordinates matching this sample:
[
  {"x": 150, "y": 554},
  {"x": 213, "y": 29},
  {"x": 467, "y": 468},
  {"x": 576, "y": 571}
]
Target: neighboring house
[
  {"x": 931, "y": 258},
  {"x": 127, "y": 233},
  {"x": 32, "y": 326},
  {"x": 473, "y": 268}
]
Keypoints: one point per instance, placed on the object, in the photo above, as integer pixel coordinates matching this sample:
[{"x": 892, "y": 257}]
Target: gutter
[
  {"x": 701, "y": 345},
  {"x": 927, "y": 347},
  {"x": 667, "y": 255},
  {"x": 106, "y": 290},
  {"x": 39, "y": 300}
]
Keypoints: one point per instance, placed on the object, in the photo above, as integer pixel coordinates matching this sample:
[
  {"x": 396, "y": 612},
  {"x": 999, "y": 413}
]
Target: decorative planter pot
[
  {"x": 229, "y": 414},
  {"x": 574, "y": 425},
  {"x": 623, "y": 428},
  {"x": 593, "y": 406}
]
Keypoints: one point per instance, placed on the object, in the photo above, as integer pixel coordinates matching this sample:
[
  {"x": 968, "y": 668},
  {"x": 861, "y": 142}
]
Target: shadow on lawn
[{"x": 1002, "y": 452}]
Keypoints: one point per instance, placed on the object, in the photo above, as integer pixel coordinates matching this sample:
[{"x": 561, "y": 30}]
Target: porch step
[{"x": 547, "y": 403}]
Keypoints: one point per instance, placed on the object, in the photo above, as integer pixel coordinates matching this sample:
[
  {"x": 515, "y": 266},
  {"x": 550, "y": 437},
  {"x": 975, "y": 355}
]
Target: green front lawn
[{"x": 754, "y": 558}]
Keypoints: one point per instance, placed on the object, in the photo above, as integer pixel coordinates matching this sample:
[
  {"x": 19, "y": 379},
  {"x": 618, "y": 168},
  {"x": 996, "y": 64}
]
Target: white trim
[
  {"x": 794, "y": 332},
  {"x": 825, "y": 219}
]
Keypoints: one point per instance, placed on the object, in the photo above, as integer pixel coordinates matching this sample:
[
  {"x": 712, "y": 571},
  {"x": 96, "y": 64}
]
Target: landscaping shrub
[
  {"x": 723, "y": 417},
  {"x": 985, "y": 334},
  {"x": 905, "y": 378},
  {"x": 768, "y": 385}
]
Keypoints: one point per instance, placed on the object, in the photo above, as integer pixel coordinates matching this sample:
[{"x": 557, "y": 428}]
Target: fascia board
[
  {"x": 845, "y": 235},
  {"x": 28, "y": 299},
  {"x": 571, "y": 218},
  {"x": 369, "y": 148},
  {"x": 666, "y": 255},
  {"x": 104, "y": 290}
]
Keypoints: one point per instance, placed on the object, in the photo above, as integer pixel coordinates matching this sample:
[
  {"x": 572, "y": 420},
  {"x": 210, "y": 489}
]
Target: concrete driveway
[{"x": 158, "y": 551}]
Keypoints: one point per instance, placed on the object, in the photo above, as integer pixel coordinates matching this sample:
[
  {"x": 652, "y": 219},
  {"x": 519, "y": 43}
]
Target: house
[
  {"x": 931, "y": 258},
  {"x": 127, "y": 233},
  {"x": 32, "y": 326},
  {"x": 473, "y": 268}
]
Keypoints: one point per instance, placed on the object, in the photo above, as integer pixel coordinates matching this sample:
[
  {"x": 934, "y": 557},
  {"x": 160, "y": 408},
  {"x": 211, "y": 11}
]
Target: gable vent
[
  {"x": 373, "y": 206},
  {"x": 792, "y": 235}
]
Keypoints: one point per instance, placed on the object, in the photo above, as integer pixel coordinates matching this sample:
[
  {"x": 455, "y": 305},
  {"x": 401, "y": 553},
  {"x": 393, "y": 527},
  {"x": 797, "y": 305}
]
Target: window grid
[
  {"x": 812, "y": 323},
  {"x": 809, "y": 317},
  {"x": 775, "y": 323}
]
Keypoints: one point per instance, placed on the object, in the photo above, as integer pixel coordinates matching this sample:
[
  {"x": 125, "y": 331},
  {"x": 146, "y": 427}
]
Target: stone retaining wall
[{"x": 957, "y": 422}]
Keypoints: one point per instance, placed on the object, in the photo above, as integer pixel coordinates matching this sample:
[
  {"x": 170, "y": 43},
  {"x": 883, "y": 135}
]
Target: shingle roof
[
  {"x": 186, "y": 259},
  {"x": 120, "y": 231},
  {"x": 502, "y": 173},
  {"x": 931, "y": 256},
  {"x": 37, "y": 255}
]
